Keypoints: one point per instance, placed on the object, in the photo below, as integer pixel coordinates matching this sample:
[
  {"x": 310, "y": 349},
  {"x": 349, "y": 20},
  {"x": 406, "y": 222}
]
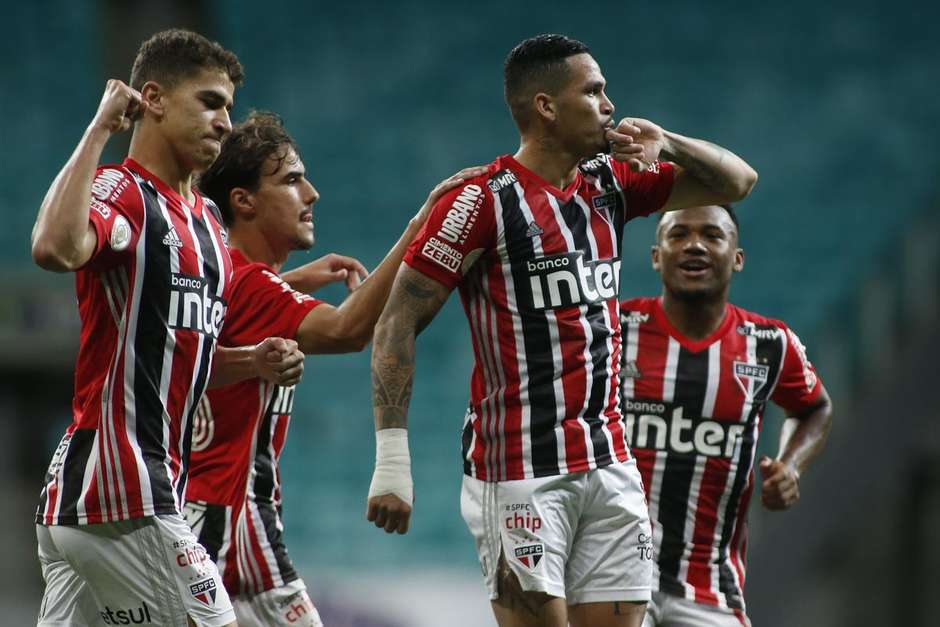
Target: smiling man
[
  {"x": 697, "y": 375},
  {"x": 233, "y": 500},
  {"x": 551, "y": 494}
]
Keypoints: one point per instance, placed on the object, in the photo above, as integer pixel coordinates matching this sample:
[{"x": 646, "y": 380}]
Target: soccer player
[
  {"x": 152, "y": 276},
  {"x": 697, "y": 375},
  {"x": 551, "y": 493},
  {"x": 233, "y": 497}
]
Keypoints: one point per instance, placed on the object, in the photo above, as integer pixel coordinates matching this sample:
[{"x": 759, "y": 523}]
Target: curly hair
[
  {"x": 174, "y": 55},
  {"x": 244, "y": 152}
]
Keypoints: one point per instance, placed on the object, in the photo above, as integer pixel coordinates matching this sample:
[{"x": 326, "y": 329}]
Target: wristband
[{"x": 392, "y": 473}]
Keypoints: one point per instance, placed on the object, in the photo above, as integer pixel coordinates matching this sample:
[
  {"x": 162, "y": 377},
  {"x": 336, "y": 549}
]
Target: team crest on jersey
[
  {"x": 529, "y": 555},
  {"x": 751, "y": 378},
  {"x": 204, "y": 591},
  {"x": 120, "y": 234},
  {"x": 605, "y": 201}
]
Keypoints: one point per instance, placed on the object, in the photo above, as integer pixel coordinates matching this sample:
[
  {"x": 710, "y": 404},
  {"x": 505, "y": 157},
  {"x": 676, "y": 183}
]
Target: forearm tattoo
[
  {"x": 414, "y": 301},
  {"x": 708, "y": 168}
]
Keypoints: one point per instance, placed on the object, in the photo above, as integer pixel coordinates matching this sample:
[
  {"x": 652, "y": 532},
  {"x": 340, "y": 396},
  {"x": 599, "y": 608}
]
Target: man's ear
[
  {"x": 242, "y": 203},
  {"x": 654, "y": 256},
  {"x": 545, "y": 106},
  {"x": 154, "y": 95},
  {"x": 738, "y": 260}
]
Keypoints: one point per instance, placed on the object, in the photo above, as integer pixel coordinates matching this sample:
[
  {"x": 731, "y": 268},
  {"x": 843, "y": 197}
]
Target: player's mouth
[
  {"x": 695, "y": 268},
  {"x": 307, "y": 216}
]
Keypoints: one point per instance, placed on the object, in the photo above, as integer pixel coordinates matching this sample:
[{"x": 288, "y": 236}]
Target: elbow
[
  {"x": 48, "y": 257},
  {"x": 745, "y": 184}
]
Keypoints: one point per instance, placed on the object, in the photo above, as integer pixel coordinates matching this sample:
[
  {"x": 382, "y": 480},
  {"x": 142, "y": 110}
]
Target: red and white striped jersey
[
  {"x": 151, "y": 301},
  {"x": 692, "y": 411},
  {"x": 539, "y": 276},
  {"x": 240, "y": 429}
]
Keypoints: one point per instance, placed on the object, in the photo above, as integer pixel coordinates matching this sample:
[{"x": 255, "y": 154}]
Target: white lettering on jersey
[
  {"x": 662, "y": 430},
  {"x": 192, "y": 307},
  {"x": 462, "y": 215},
  {"x": 565, "y": 280}
]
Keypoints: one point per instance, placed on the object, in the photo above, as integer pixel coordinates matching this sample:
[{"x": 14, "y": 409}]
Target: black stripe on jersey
[
  {"x": 767, "y": 351},
  {"x": 466, "y": 439},
  {"x": 270, "y": 517},
  {"x": 149, "y": 345},
  {"x": 536, "y": 338},
  {"x": 211, "y": 271},
  {"x": 264, "y": 461},
  {"x": 212, "y": 531},
  {"x": 80, "y": 446},
  {"x": 689, "y": 394},
  {"x": 577, "y": 223},
  {"x": 608, "y": 181}
]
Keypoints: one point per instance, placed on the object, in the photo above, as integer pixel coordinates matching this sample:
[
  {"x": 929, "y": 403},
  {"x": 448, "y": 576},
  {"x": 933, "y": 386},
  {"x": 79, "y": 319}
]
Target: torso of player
[
  {"x": 152, "y": 301},
  {"x": 240, "y": 430},
  {"x": 538, "y": 269},
  {"x": 692, "y": 414}
]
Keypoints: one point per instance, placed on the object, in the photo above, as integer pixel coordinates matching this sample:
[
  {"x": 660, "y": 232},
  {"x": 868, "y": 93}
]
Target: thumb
[
  {"x": 274, "y": 344},
  {"x": 765, "y": 463}
]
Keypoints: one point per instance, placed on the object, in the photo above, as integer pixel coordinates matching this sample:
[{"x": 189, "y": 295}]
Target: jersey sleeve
[
  {"x": 263, "y": 305},
  {"x": 798, "y": 387},
  {"x": 644, "y": 192},
  {"x": 116, "y": 214},
  {"x": 460, "y": 228}
]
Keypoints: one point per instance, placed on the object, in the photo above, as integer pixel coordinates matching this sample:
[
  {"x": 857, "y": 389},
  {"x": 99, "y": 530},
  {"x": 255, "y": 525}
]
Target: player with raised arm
[
  {"x": 233, "y": 499},
  {"x": 551, "y": 493},
  {"x": 698, "y": 373},
  {"x": 152, "y": 276}
]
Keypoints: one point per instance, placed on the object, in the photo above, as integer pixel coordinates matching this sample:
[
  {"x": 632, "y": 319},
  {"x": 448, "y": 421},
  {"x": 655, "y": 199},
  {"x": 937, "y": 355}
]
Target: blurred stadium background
[{"x": 835, "y": 104}]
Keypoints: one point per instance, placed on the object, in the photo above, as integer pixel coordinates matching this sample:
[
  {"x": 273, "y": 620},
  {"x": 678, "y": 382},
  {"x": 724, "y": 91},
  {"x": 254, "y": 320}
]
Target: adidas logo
[
  {"x": 172, "y": 239},
  {"x": 630, "y": 371},
  {"x": 533, "y": 230}
]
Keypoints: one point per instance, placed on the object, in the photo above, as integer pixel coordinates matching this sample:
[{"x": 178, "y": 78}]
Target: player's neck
[
  {"x": 550, "y": 161},
  {"x": 695, "y": 319},
  {"x": 156, "y": 156},
  {"x": 252, "y": 243}
]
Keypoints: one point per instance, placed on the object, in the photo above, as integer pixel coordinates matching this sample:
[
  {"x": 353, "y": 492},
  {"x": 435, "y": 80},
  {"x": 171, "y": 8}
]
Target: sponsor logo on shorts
[
  {"x": 520, "y": 516},
  {"x": 192, "y": 556},
  {"x": 131, "y": 616},
  {"x": 663, "y": 427},
  {"x": 644, "y": 544},
  {"x": 529, "y": 555},
  {"x": 295, "y": 607},
  {"x": 204, "y": 591}
]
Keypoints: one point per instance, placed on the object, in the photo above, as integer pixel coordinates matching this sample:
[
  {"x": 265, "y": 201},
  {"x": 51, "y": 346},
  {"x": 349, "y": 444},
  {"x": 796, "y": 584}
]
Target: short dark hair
[
  {"x": 728, "y": 209},
  {"x": 242, "y": 157},
  {"x": 538, "y": 64},
  {"x": 171, "y": 56}
]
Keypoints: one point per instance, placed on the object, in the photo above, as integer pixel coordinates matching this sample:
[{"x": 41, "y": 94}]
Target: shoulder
[
  {"x": 112, "y": 186},
  {"x": 760, "y": 326},
  {"x": 643, "y": 304}
]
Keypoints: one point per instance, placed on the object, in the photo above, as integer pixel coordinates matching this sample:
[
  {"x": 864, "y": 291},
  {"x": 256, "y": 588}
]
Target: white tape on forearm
[{"x": 392, "y": 465}]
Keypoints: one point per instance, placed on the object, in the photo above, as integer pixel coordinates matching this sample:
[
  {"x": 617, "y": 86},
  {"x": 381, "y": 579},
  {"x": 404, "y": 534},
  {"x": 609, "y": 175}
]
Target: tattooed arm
[
  {"x": 706, "y": 174},
  {"x": 413, "y": 303}
]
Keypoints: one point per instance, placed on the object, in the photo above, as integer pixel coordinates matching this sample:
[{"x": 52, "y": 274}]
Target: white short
[
  {"x": 666, "y": 610},
  {"x": 584, "y": 537},
  {"x": 143, "y": 571},
  {"x": 286, "y": 606}
]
